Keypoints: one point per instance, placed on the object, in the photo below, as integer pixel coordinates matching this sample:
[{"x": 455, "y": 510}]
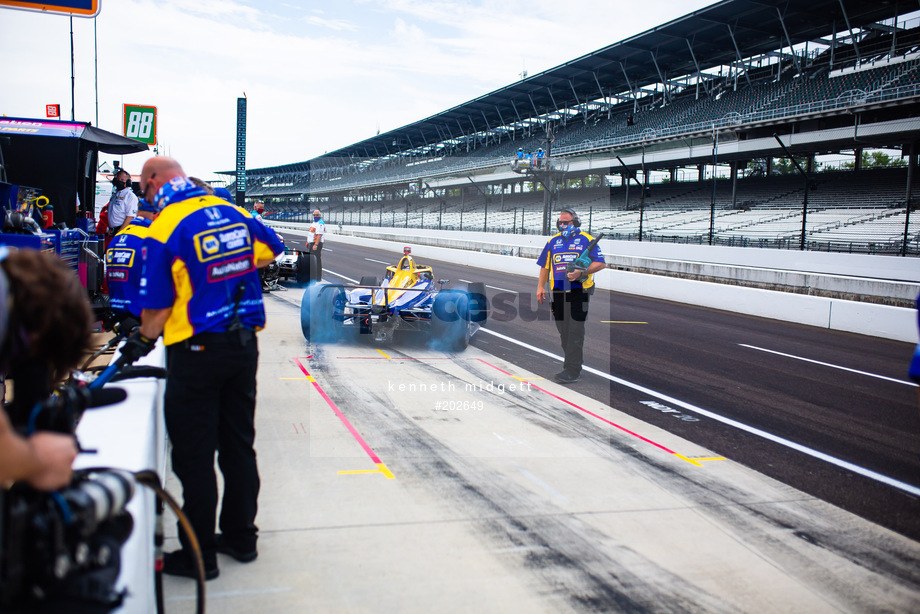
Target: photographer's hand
[
  {"x": 54, "y": 453},
  {"x": 43, "y": 460}
]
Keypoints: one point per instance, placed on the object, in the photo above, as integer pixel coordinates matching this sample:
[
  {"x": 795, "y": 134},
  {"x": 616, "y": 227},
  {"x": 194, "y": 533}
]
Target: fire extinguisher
[{"x": 47, "y": 211}]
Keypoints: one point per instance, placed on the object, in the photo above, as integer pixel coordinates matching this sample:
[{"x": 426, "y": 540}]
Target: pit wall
[{"x": 802, "y": 274}]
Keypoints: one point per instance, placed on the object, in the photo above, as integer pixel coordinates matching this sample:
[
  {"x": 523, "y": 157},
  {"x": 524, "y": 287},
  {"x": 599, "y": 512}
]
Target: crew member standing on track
[
  {"x": 257, "y": 210},
  {"x": 124, "y": 264},
  {"x": 569, "y": 295},
  {"x": 123, "y": 204},
  {"x": 316, "y": 236},
  {"x": 202, "y": 291}
]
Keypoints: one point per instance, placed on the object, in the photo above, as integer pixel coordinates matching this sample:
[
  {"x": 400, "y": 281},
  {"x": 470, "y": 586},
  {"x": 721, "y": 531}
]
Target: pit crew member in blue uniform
[
  {"x": 201, "y": 290},
  {"x": 569, "y": 296},
  {"x": 124, "y": 265}
]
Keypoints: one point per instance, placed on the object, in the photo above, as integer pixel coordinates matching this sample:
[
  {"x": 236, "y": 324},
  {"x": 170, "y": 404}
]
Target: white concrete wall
[
  {"x": 854, "y": 265},
  {"x": 896, "y": 323}
]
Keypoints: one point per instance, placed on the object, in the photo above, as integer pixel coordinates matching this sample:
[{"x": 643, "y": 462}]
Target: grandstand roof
[{"x": 721, "y": 34}]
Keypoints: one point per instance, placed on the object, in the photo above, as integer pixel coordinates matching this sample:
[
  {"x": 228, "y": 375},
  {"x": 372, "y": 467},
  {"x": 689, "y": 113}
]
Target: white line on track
[
  {"x": 467, "y": 281},
  {"x": 354, "y": 281},
  {"x": 872, "y": 475},
  {"x": 827, "y": 364},
  {"x": 378, "y": 261}
]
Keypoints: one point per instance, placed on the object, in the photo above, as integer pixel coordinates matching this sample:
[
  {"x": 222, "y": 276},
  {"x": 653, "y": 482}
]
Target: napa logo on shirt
[{"x": 222, "y": 242}]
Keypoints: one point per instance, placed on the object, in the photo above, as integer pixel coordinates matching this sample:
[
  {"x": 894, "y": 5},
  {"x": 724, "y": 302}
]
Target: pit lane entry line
[
  {"x": 692, "y": 461},
  {"x": 833, "y": 460},
  {"x": 381, "y": 467}
]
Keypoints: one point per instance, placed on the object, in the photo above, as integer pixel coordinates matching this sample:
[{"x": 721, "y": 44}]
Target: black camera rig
[{"x": 60, "y": 551}]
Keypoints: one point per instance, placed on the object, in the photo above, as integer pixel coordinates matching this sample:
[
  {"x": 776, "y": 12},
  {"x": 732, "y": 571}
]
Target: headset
[{"x": 575, "y": 219}]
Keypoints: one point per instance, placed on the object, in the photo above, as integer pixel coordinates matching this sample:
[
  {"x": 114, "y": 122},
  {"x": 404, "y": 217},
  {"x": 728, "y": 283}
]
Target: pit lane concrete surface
[{"x": 404, "y": 479}]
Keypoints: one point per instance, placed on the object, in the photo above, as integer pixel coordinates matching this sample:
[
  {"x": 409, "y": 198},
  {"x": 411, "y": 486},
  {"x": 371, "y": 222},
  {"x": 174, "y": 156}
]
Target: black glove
[
  {"x": 136, "y": 346},
  {"x": 126, "y": 325}
]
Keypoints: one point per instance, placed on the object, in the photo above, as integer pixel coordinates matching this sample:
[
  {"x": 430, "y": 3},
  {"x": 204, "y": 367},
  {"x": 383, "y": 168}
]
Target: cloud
[{"x": 332, "y": 24}]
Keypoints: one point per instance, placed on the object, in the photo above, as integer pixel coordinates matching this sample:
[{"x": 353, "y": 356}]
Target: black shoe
[
  {"x": 564, "y": 377},
  {"x": 243, "y": 556},
  {"x": 179, "y": 563}
]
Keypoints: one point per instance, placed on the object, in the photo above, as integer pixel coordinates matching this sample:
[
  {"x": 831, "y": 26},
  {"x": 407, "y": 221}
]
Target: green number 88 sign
[{"x": 140, "y": 123}]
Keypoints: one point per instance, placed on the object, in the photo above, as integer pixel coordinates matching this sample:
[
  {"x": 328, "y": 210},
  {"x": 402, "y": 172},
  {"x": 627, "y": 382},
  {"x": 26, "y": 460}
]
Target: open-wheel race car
[{"x": 408, "y": 298}]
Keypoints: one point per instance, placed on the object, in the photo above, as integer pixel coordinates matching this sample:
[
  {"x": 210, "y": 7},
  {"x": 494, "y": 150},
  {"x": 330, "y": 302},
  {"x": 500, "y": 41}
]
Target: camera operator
[{"x": 45, "y": 329}]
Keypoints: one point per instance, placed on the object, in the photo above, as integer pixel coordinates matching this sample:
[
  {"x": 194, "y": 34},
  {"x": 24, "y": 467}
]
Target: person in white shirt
[
  {"x": 123, "y": 204},
  {"x": 316, "y": 236}
]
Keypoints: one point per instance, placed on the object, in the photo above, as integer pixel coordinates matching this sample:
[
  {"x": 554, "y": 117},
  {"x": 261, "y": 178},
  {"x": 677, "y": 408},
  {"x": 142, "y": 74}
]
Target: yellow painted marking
[
  {"x": 620, "y": 322},
  {"x": 698, "y": 461},
  {"x": 381, "y": 468},
  {"x": 310, "y": 378},
  {"x": 385, "y": 471},
  {"x": 382, "y": 352}
]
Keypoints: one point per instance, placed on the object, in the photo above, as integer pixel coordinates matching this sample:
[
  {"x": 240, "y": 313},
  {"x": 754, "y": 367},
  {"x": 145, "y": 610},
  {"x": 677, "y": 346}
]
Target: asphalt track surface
[{"x": 828, "y": 413}]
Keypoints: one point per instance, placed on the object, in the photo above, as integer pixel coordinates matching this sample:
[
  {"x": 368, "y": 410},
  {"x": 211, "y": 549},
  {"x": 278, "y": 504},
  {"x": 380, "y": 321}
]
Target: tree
[{"x": 877, "y": 159}]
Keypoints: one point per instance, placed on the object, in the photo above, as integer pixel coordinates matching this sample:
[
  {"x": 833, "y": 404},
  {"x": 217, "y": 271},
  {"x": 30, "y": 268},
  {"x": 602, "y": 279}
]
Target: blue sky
[{"x": 317, "y": 75}]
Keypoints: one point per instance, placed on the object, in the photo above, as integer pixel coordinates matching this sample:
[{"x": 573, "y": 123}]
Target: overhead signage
[
  {"x": 140, "y": 123},
  {"x": 76, "y": 8},
  {"x": 40, "y": 128}
]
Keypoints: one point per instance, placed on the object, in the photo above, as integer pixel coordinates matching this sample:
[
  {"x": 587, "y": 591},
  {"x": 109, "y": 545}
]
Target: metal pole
[
  {"x": 72, "y": 77},
  {"x": 96, "y": 67},
  {"x": 911, "y": 168},
  {"x": 642, "y": 194},
  {"x": 804, "y": 200},
  {"x": 712, "y": 203}
]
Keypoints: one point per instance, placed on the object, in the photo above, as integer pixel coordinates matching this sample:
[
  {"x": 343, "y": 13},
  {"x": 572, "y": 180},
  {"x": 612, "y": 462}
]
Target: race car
[
  {"x": 292, "y": 263},
  {"x": 407, "y": 299}
]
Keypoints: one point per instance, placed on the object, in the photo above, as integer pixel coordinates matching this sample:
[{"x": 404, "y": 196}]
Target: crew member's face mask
[
  {"x": 316, "y": 218},
  {"x": 566, "y": 230}
]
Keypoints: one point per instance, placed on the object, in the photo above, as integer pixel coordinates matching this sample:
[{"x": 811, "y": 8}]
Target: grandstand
[{"x": 673, "y": 135}]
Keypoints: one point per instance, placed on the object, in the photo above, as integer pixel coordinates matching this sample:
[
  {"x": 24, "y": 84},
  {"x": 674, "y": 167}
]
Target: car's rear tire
[
  {"x": 317, "y": 312},
  {"x": 369, "y": 280},
  {"x": 450, "y": 323},
  {"x": 302, "y": 269},
  {"x": 479, "y": 302}
]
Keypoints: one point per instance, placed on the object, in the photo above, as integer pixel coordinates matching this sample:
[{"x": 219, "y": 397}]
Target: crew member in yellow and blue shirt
[
  {"x": 570, "y": 294},
  {"x": 201, "y": 289},
  {"x": 124, "y": 265}
]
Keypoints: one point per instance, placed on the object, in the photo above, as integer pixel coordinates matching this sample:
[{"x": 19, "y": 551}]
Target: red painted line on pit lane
[
  {"x": 351, "y": 429},
  {"x": 590, "y": 413},
  {"x": 392, "y": 358}
]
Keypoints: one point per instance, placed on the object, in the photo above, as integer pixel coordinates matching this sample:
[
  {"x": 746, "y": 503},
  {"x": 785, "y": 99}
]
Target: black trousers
[
  {"x": 210, "y": 407},
  {"x": 570, "y": 310},
  {"x": 318, "y": 252}
]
